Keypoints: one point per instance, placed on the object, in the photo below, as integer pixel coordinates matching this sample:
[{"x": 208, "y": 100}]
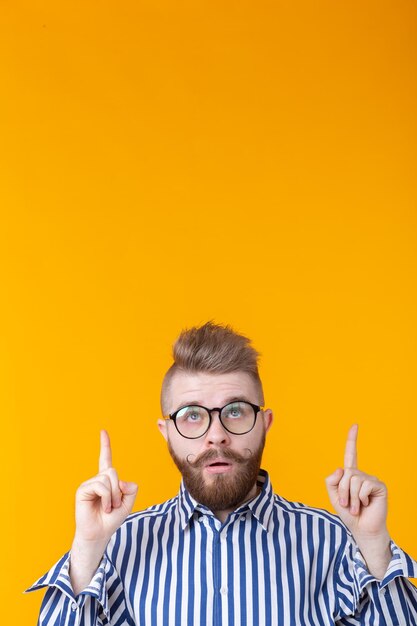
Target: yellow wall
[{"x": 166, "y": 163}]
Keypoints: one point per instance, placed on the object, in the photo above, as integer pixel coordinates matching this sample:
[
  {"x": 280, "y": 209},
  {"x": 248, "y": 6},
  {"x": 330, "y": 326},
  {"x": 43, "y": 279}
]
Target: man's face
[{"x": 220, "y": 468}]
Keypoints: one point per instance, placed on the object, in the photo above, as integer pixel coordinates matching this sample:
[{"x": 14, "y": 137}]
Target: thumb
[
  {"x": 129, "y": 491},
  {"x": 332, "y": 483}
]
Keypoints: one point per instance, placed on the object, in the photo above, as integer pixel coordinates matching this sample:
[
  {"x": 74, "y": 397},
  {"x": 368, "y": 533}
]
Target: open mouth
[
  {"x": 218, "y": 466},
  {"x": 218, "y": 463}
]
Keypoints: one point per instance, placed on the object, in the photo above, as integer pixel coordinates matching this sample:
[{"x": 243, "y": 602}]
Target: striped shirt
[{"x": 271, "y": 563}]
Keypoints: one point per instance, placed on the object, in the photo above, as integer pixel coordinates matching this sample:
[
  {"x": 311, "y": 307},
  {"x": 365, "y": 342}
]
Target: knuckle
[
  {"x": 382, "y": 486},
  {"x": 348, "y": 473},
  {"x": 111, "y": 475},
  {"x": 344, "y": 479},
  {"x": 103, "y": 479},
  {"x": 344, "y": 485},
  {"x": 101, "y": 486},
  {"x": 106, "y": 471},
  {"x": 85, "y": 486},
  {"x": 114, "y": 477},
  {"x": 85, "y": 483}
]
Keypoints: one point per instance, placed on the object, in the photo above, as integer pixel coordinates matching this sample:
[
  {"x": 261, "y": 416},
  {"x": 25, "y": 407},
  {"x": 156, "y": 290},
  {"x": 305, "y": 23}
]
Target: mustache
[{"x": 212, "y": 455}]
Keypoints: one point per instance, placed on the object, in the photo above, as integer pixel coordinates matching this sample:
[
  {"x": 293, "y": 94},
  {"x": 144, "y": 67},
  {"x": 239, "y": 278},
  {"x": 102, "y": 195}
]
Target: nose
[{"x": 216, "y": 434}]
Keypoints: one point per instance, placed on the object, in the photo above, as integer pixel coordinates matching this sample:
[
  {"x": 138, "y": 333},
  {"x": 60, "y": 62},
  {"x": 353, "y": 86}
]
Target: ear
[
  {"x": 162, "y": 425},
  {"x": 268, "y": 419}
]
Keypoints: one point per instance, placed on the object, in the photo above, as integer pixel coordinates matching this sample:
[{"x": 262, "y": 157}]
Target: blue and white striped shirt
[{"x": 271, "y": 563}]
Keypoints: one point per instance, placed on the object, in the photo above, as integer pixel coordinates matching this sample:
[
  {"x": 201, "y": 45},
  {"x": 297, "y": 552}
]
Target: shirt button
[
  {"x": 74, "y": 606},
  {"x": 223, "y": 591}
]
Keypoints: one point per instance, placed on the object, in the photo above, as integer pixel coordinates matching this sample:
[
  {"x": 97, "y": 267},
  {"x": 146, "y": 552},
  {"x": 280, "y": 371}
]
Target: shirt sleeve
[
  {"x": 363, "y": 599},
  {"x": 102, "y": 602}
]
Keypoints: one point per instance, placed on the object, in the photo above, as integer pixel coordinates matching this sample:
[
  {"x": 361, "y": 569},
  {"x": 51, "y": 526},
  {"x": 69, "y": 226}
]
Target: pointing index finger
[
  {"x": 351, "y": 455},
  {"x": 105, "y": 460}
]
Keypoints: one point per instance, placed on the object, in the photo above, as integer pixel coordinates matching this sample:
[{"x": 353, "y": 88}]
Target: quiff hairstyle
[{"x": 212, "y": 349}]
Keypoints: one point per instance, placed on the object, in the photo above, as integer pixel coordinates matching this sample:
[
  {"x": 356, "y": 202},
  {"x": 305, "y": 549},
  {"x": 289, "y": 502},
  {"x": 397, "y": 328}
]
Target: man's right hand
[{"x": 102, "y": 505}]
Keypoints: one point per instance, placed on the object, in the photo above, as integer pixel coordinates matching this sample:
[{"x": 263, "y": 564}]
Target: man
[{"x": 227, "y": 551}]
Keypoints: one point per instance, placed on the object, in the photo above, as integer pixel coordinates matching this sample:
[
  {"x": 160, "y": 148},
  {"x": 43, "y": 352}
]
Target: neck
[{"x": 224, "y": 514}]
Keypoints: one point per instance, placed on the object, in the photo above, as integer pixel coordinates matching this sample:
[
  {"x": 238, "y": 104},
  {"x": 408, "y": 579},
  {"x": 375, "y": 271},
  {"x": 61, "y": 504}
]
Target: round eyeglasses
[{"x": 237, "y": 417}]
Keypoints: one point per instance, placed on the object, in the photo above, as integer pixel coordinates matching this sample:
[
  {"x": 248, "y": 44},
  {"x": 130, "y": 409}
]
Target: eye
[
  {"x": 190, "y": 415},
  {"x": 193, "y": 416},
  {"x": 233, "y": 411}
]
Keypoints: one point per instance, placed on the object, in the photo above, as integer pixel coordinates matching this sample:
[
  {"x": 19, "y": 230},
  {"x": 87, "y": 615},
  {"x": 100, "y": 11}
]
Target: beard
[{"x": 224, "y": 491}]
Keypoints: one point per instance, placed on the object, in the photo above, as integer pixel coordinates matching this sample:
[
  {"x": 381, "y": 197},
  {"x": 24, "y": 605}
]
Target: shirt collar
[{"x": 260, "y": 506}]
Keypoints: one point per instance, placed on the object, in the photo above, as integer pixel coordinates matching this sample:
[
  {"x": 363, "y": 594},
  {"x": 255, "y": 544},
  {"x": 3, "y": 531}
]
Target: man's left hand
[{"x": 360, "y": 500}]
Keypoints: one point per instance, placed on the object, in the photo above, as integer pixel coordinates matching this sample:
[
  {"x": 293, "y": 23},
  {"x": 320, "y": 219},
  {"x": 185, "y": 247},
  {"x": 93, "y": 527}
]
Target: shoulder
[
  {"x": 153, "y": 512},
  {"x": 299, "y": 512},
  {"x": 144, "y": 523},
  {"x": 140, "y": 530},
  {"x": 150, "y": 519}
]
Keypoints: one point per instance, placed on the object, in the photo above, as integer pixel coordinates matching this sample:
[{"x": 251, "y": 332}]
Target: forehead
[{"x": 211, "y": 389}]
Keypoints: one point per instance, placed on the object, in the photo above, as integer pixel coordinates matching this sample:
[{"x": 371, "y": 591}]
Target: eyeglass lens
[{"x": 236, "y": 417}]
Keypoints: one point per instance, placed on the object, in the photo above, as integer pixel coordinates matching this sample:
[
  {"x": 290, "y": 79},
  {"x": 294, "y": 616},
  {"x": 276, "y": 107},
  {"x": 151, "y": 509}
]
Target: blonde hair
[{"x": 213, "y": 349}]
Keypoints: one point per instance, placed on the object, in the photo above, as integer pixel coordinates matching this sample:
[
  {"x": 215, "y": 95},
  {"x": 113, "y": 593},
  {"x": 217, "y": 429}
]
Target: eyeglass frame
[{"x": 256, "y": 408}]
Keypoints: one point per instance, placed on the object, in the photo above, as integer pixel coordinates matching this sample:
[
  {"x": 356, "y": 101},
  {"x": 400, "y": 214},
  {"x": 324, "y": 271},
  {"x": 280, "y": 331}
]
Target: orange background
[{"x": 166, "y": 163}]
